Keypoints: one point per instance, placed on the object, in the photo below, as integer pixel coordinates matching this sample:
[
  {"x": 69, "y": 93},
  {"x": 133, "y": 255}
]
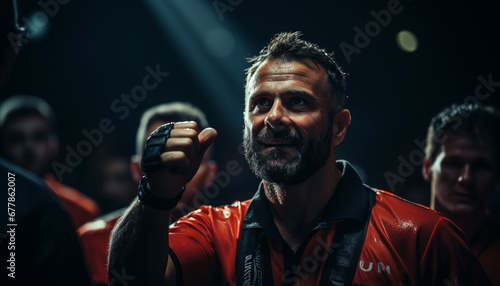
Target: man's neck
[{"x": 297, "y": 209}]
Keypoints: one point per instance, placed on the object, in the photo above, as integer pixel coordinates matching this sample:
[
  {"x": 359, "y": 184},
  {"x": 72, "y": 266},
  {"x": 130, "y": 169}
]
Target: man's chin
[
  {"x": 32, "y": 167},
  {"x": 279, "y": 175},
  {"x": 463, "y": 209}
]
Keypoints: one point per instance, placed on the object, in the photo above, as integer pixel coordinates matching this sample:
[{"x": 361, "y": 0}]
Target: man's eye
[
  {"x": 263, "y": 102},
  {"x": 40, "y": 137},
  {"x": 482, "y": 166},
  {"x": 297, "y": 101},
  {"x": 15, "y": 138},
  {"x": 453, "y": 165}
]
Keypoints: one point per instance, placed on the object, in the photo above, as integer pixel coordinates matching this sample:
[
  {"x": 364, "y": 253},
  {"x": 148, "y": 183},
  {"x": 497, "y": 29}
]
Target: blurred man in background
[
  {"x": 28, "y": 132},
  {"x": 463, "y": 166},
  {"x": 95, "y": 235},
  {"x": 38, "y": 245},
  {"x": 108, "y": 176}
]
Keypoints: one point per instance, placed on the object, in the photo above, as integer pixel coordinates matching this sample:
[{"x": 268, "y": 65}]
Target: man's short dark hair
[
  {"x": 19, "y": 106},
  {"x": 168, "y": 112},
  {"x": 472, "y": 121},
  {"x": 289, "y": 46}
]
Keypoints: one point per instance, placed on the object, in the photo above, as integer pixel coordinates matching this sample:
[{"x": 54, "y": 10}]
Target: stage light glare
[
  {"x": 37, "y": 25},
  {"x": 407, "y": 41},
  {"x": 219, "y": 43}
]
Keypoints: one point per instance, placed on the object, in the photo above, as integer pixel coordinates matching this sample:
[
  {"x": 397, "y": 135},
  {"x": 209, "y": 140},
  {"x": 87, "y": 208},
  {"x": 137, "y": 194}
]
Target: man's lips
[
  {"x": 467, "y": 196},
  {"x": 275, "y": 142}
]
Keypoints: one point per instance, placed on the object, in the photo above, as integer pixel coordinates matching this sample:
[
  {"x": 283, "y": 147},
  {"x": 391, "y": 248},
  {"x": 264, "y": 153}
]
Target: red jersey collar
[{"x": 349, "y": 201}]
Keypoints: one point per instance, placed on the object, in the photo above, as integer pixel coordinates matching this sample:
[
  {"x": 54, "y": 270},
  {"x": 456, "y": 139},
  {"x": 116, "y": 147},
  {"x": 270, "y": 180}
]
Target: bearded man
[{"x": 312, "y": 220}]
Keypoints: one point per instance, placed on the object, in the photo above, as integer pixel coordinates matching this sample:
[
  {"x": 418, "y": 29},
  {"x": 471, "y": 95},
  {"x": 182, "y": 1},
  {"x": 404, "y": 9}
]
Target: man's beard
[{"x": 280, "y": 167}]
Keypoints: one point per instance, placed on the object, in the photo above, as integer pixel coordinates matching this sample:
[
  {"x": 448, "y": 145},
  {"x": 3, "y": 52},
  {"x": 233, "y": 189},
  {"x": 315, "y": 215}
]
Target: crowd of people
[{"x": 312, "y": 220}]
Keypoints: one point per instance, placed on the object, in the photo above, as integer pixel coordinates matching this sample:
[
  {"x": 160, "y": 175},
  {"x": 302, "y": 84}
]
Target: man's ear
[
  {"x": 53, "y": 142},
  {"x": 135, "y": 168},
  {"x": 427, "y": 170},
  {"x": 340, "y": 122}
]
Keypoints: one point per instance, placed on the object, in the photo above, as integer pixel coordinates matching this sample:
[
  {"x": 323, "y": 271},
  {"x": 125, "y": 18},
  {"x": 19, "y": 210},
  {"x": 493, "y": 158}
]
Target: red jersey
[
  {"x": 80, "y": 207},
  {"x": 405, "y": 244},
  {"x": 486, "y": 246},
  {"x": 94, "y": 237}
]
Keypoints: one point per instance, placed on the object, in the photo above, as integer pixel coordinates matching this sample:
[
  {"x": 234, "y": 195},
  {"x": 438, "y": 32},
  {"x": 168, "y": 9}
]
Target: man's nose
[
  {"x": 277, "y": 117},
  {"x": 465, "y": 175},
  {"x": 29, "y": 143}
]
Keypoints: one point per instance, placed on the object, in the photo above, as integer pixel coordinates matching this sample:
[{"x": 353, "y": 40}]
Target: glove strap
[
  {"x": 151, "y": 160},
  {"x": 152, "y": 201}
]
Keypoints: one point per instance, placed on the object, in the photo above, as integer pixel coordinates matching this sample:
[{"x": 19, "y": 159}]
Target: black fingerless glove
[{"x": 151, "y": 162}]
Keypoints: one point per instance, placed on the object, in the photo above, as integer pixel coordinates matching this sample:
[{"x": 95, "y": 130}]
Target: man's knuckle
[
  {"x": 191, "y": 132},
  {"x": 181, "y": 156},
  {"x": 188, "y": 141}
]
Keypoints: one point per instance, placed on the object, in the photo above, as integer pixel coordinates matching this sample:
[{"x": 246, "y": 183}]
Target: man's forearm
[
  {"x": 139, "y": 243},
  {"x": 139, "y": 246}
]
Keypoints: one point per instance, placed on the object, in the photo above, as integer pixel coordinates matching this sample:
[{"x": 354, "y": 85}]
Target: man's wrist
[{"x": 147, "y": 198}]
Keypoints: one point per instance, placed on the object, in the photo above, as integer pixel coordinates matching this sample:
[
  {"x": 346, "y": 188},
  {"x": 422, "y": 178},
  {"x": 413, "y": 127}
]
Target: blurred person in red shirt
[
  {"x": 38, "y": 244},
  {"x": 29, "y": 139},
  {"x": 463, "y": 166}
]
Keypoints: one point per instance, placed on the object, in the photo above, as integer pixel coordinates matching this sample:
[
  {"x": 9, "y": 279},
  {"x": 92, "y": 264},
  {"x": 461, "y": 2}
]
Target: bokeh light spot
[{"x": 407, "y": 41}]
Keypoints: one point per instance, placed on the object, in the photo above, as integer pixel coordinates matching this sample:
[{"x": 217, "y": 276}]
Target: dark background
[{"x": 95, "y": 51}]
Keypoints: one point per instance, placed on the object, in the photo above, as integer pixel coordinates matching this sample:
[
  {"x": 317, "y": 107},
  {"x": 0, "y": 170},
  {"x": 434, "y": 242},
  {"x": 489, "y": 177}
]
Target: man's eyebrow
[
  {"x": 299, "y": 92},
  {"x": 458, "y": 157},
  {"x": 259, "y": 94},
  {"x": 289, "y": 92}
]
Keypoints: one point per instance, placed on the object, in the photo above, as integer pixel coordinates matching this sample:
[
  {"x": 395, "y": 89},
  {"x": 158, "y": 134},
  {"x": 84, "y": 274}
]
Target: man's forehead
[
  {"x": 26, "y": 120},
  {"x": 284, "y": 69},
  {"x": 287, "y": 67},
  {"x": 462, "y": 145}
]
